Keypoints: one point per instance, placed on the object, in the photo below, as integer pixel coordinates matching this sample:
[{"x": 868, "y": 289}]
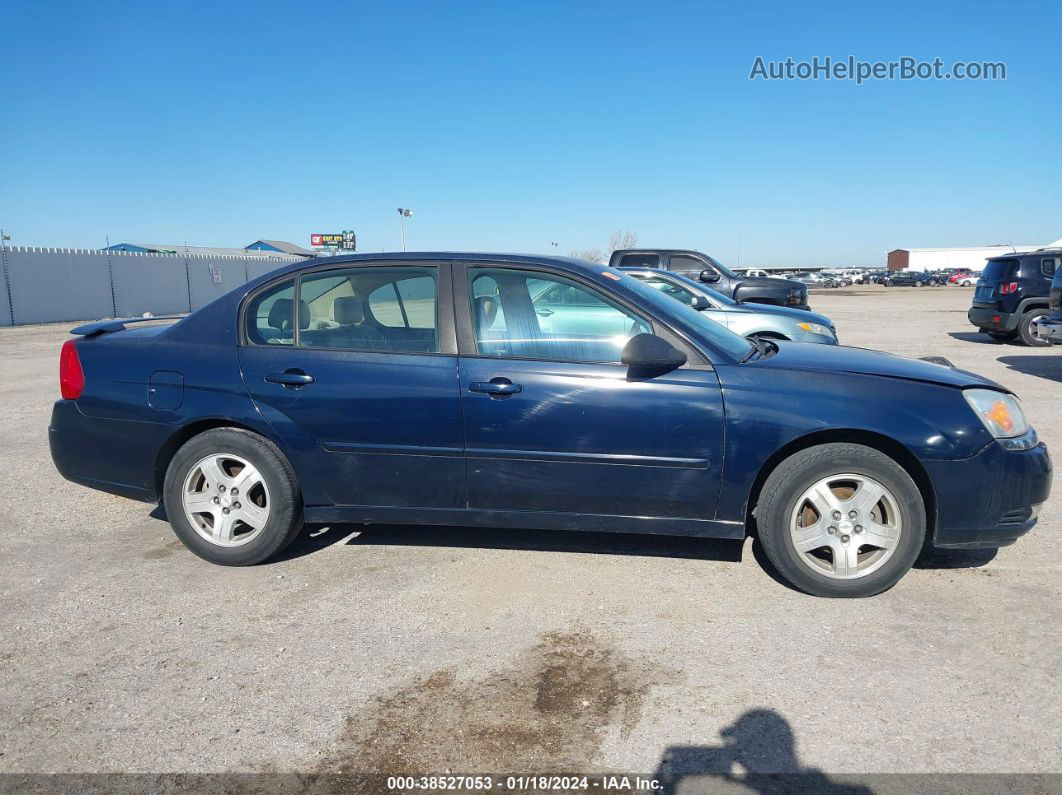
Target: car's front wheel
[
  {"x": 841, "y": 520},
  {"x": 232, "y": 497}
]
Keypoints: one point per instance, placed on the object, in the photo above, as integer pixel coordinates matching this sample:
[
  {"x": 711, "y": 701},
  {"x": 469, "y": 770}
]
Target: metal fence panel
[
  {"x": 149, "y": 283},
  {"x": 53, "y": 285}
]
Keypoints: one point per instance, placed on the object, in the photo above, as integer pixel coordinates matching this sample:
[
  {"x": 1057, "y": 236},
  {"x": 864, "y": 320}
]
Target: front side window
[
  {"x": 391, "y": 310},
  {"x": 270, "y": 316},
  {"x": 688, "y": 264},
  {"x": 534, "y": 315}
]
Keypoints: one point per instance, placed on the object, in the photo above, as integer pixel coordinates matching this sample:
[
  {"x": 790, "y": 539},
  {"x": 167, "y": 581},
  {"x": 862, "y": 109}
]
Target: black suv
[
  {"x": 701, "y": 267},
  {"x": 1011, "y": 297}
]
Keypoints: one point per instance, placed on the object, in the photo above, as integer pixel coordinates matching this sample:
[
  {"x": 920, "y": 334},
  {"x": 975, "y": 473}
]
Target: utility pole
[{"x": 403, "y": 214}]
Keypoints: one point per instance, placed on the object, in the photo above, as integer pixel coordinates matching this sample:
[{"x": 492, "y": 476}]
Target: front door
[
  {"x": 553, "y": 420},
  {"x": 361, "y": 382}
]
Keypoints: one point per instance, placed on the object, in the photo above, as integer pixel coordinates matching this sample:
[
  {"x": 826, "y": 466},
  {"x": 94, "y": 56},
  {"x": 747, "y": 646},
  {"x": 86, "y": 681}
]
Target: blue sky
[{"x": 508, "y": 126}]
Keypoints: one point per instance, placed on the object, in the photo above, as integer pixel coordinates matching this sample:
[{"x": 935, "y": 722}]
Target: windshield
[
  {"x": 715, "y": 333},
  {"x": 999, "y": 269}
]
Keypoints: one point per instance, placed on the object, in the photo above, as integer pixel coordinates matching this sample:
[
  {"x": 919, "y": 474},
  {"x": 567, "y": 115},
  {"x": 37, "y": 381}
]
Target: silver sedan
[{"x": 748, "y": 320}]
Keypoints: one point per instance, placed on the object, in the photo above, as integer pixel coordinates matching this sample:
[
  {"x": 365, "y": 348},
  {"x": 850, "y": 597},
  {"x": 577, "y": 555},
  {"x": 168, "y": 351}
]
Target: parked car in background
[
  {"x": 964, "y": 277},
  {"x": 875, "y": 277},
  {"x": 1011, "y": 298},
  {"x": 705, "y": 269},
  {"x": 913, "y": 279},
  {"x": 753, "y": 321},
  {"x": 813, "y": 280},
  {"x": 839, "y": 279},
  {"x": 423, "y": 389},
  {"x": 1051, "y": 328}
]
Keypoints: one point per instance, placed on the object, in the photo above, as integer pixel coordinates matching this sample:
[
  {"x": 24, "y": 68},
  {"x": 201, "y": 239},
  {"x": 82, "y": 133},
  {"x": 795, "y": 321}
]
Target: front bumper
[
  {"x": 991, "y": 319},
  {"x": 990, "y": 499}
]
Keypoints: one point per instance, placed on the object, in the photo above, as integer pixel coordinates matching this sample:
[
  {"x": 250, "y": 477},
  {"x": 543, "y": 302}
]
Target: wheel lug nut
[
  {"x": 225, "y": 510},
  {"x": 221, "y": 489},
  {"x": 236, "y": 505},
  {"x": 845, "y": 539},
  {"x": 216, "y": 500},
  {"x": 836, "y": 514},
  {"x": 859, "y": 528},
  {"x": 234, "y": 492},
  {"x": 831, "y": 530},
  {"x": 852, "y": 514}
]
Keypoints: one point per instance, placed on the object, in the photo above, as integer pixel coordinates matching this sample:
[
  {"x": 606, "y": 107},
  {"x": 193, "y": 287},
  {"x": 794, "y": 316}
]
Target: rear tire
[
  {"x": 863, "y": 555},
  {"x": 1027, "y": 328},
  {"x": 232, "y": 498}
]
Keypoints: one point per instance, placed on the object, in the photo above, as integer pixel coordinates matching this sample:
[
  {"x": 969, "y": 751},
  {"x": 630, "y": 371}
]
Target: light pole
[{"x": 403, "y": 214}]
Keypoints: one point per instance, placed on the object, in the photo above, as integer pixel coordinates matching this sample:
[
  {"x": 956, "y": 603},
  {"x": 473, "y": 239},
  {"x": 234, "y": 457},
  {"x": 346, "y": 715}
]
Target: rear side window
[
  {"x": 270, "y": 317},
  {"x": 1048, "y": 266},
  {"x": 673, "y": 290},
  {"x": 640, "y": 261},
  {"x": 390, "y": 310}
]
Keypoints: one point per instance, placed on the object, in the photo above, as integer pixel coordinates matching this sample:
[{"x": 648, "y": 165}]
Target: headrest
[
  {"x": 280, "y": 314},
  {"x": 486, "y": 311},
  {"x": 348, "y": 310}
]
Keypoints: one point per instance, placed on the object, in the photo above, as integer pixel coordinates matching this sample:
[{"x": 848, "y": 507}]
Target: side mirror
[
  {"x": 651, "y": 355},
  {"x": 709, "y": 276},
  {"x": 700, "y": 302}
]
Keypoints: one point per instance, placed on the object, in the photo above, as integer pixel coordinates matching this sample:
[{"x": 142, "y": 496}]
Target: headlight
[
  {"x": 816, "y": 328},
  {"x": 1001, "y": 413}
]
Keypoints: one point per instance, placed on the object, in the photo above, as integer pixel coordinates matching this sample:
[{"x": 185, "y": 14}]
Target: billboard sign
[{"x": 345, "y": 240}]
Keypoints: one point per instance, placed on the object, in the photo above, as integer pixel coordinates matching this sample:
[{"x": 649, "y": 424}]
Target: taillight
[
  {"x": 1007, "y": 289},
  {"x": 71, "y": 376}
]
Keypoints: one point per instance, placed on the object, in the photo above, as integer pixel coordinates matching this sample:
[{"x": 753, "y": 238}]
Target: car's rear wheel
[
  {"x": 232, "y": 497},
  {"x": 841, "y": 520},
  {"x": 1029, "y": 328}
]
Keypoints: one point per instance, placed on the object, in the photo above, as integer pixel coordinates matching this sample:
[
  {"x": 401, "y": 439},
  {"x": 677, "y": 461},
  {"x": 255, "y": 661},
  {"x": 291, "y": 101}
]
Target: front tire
[
  {"x": 841, "y": 520},
  {"x": 232, "y": 498}
]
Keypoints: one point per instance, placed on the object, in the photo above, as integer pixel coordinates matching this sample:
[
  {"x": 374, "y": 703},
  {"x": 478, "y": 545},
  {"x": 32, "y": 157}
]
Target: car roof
[{"x": 564, "y": 263}]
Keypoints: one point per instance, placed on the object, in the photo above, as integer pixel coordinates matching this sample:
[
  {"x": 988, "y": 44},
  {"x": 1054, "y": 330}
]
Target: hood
[
  {"x": 840, "y": 358},
  {"x": 802, "y": 315}
]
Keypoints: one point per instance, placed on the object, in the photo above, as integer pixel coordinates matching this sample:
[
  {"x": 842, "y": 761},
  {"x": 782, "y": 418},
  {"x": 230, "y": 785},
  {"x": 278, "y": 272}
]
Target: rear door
[
  {"x": 363, "y": 384},
  {"x": 554, "y": 422}
]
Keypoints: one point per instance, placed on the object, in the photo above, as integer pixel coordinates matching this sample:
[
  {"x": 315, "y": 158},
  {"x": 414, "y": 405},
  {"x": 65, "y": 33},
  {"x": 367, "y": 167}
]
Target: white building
[{"x": 935, "y": 259}]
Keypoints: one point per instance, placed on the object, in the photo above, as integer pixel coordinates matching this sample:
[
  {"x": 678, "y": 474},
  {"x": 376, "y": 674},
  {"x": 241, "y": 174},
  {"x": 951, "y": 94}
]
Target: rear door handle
[
  {"x": 293, "y": 379},
  {"x": 496, "y": 387}
]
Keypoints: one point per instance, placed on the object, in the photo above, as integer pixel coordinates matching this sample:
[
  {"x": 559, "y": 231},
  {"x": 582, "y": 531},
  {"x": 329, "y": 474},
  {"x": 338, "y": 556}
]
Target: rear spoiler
[{"x": 119, "y": 324}]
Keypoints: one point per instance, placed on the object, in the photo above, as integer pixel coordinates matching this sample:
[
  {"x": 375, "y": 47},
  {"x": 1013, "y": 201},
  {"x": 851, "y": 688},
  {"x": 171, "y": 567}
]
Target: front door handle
[
  {"x": 291, "y": 379},
  {"x": 496, "y": 387},
  {"x": 544, "y": 312}
]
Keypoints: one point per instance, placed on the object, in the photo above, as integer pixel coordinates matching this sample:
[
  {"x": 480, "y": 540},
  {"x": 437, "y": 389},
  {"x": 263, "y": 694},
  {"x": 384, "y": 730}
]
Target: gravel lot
[{"x": 401, "y": 649}]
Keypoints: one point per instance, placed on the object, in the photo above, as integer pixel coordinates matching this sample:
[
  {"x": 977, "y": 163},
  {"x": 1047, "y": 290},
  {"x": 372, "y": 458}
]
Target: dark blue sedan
[{"x": 443, "y": 389}]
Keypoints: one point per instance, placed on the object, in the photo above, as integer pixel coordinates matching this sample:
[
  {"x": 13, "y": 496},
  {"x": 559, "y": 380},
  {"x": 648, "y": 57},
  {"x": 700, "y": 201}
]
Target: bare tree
[
  {"x": 592, "y": 254},
  {"x": 622, "y": 238}
]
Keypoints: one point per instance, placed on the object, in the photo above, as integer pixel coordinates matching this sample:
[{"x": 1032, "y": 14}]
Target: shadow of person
[{"x": 758, "y": 754}]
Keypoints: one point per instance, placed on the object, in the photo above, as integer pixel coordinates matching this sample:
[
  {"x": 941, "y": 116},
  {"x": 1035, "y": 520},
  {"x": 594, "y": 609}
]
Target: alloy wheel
[
  {"x": 226, "y": 500},
  {"x": 845, "y": 526}
]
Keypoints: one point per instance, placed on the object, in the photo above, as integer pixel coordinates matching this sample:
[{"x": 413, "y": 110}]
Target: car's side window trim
[
  {"x": 466, "y": 334},
  {"x": 444, "y": 305}
]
